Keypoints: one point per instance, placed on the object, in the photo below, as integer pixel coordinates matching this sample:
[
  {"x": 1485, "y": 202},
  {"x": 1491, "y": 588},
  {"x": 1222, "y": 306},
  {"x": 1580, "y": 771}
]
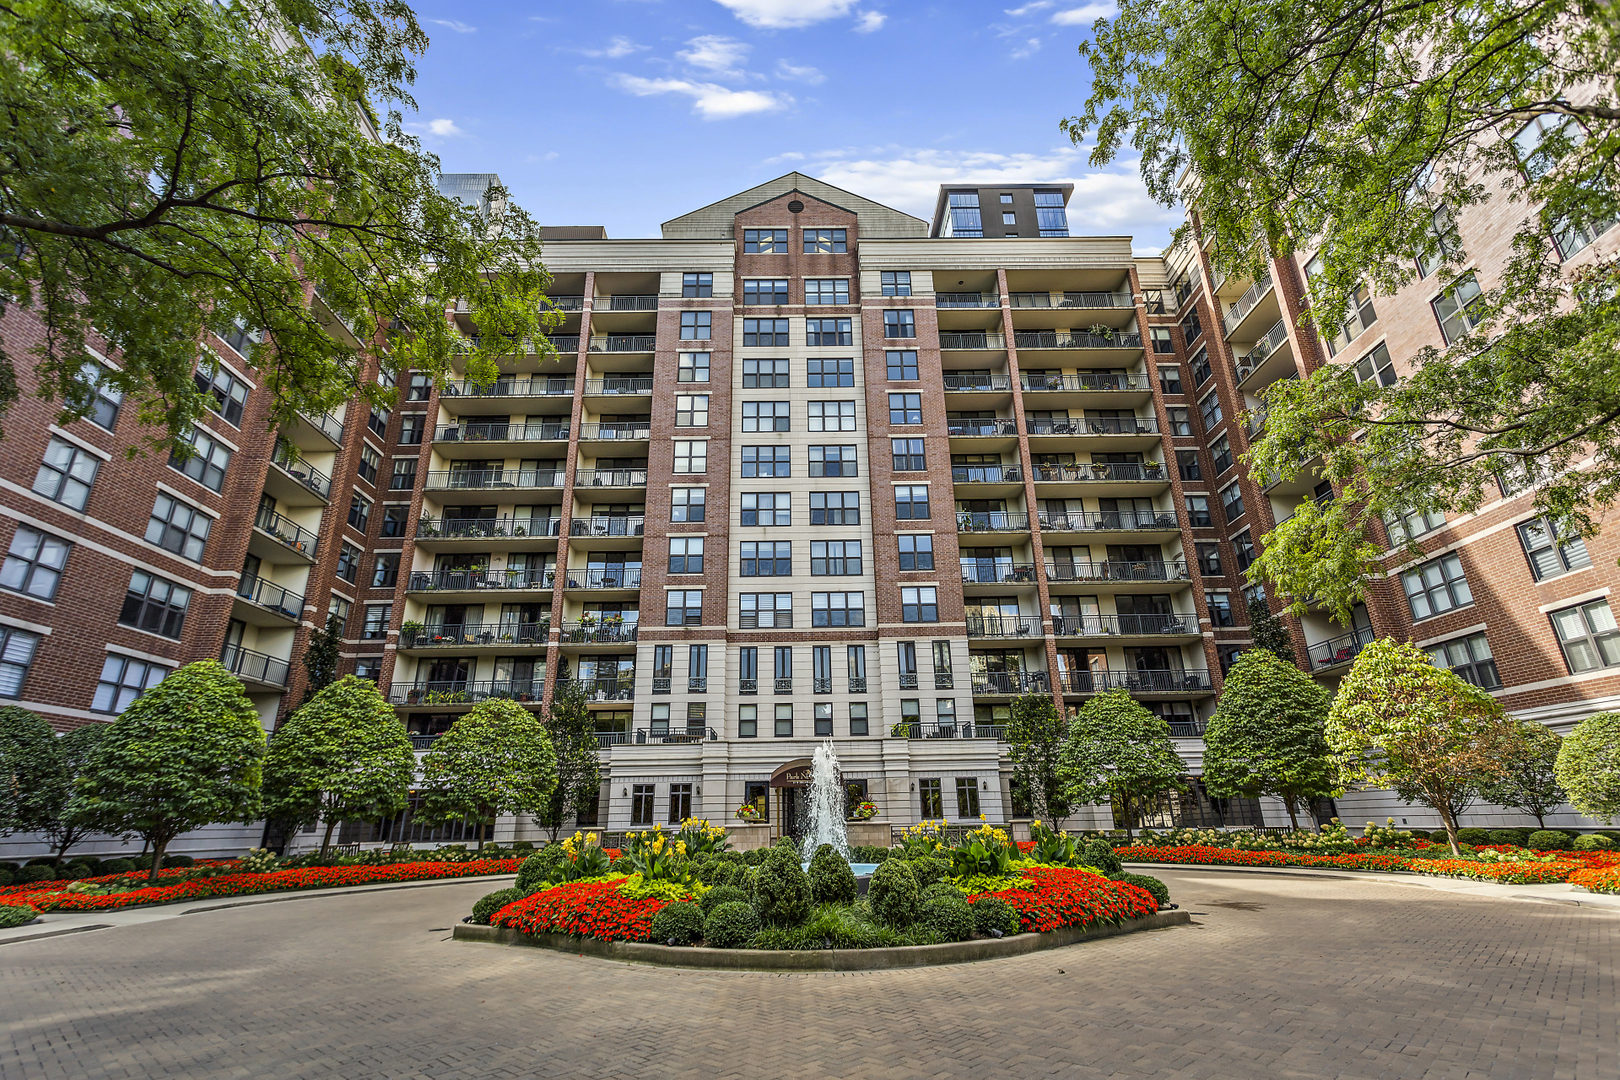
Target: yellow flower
[
  {"x": 1035, "y": 824},
  {"x": 590, "y": 838},
  {"x": 680, "y": 847},
  {"x": 982, "y": 817}
]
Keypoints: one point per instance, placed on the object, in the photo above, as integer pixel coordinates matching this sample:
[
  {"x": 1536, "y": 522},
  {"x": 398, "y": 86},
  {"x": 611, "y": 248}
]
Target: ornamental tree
[
  {"x": 342, "y": 757},
  {"x": 1117, "y": 751},
  {"x": 1035, "y": 735},
  {"x": 1398, "y": 721},
  {"x": 187, "y": 753},
  {"x": 1530, "y": 783},
  {"x": 1589, "y": 766},
  {"x": 65, "y": 830},
  {"x": 321, "y": 656},
  {"x": 1266, "y": 735},
  {"x": 1268, "y": 632},
  {"x": 34, "y": 783},
  {"x": 579, "y": 771},
  {"x": 497, "y": 759}
]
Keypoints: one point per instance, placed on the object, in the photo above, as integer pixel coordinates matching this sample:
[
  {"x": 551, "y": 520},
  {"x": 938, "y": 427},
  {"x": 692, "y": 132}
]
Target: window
[
  {"x": 1191, "y": 327},
  {"x": 1187, "y": 464},
  {"x": 1200, "y": 368},
  {"x": 368, "y": 668},
  {"x": 16, "y": 655},
  {"x": 835, "y": 508},
  {"x": 1198, "y": 511},
  {"x": 766, "y": 416},
  {"x": 1050, "y": 215},
  {"x": 1232, "y": 501},
  {"x": 765, "y": 558},
  {"x": 662, "y": 667},
  {"x": 1469, "y": 658},
  {"x": 784, "y": 721},
  {"x": 378, "y": 616},
  {"x": 908, "y": 455},
  {"x": 692, "y": 367},
  {"x": 1459, "y": 309},
  {"x": 385, "y": 570},
  {"x": 826, "y": 332},
  {"x": 905, "y": 408},
  {"x": 1220, "y": 607},
  {"x": 1209, "y": 407},
  {"x": 967, "y": 796},
  {"x": 370, "y": 462},
  {"x": 1243, "y": 550},
  {"x": 831, "y": 416},
  {"x": 386, "y": 378},
  {"x": 765, "y": 374},
  {"x": 1410, "y": 526},
  {"x": 403, "y": 478},
  {"x": 691, "y": 456},
  {"x": 359, "y": 511},
  {"x": 377, "y": 421},
  {"x": 824, "y": 723},
  {"x": 838, "y": 609},
  {"x": 1588, "y": 635},
  {"x": 1170, "y": 380},
  {"x": 155, "y": 605},
  {"x": 686, "y": 504},
  {"x": 1360, "y": 316},
  {"x": 1549, "y": 554},
  {"x": 896, "y": 282},
  {"x": 748, "y": 721},
  {"x": 899, "y": 323},
  {"x": 765, "y": 333},
  {"x": 1528, "y": 143},
  {"x": 694, "y": 286},
  {"x": 178, "y": 527},
  {"x": 225, "y": 393},
  {"x": 1227, "y": 655},
  {"x": 1180, "y": 421},
  {"x": 831, "y": 557},
  {"x": 411, "y": 427},
  {"x": 767, "y": 508},
  {"x": 902, "y": 364},
  {"x": 106, "y": 401},
  {"x": 691, "y": 410},
  {"x": 916, "y": 552},
  {"x": 686, "y": 554},
  {"x": 1209, "y": 560},
  {"x": 1573, "y": 239},
  {"x": 1009, "y": 217},
  {"x": 1221, "y": 450},
  {"x": 1164, "y": 343},
  {"x": 826, "y": 241},
  {"x": 766, "y": 461},
  {"x": 833, "y": 461},
  {"x": 395, "y": 519},
  {"x": 35, "y": 563},
  {"x": 829, "y": 373},
  {"x": 123, "y": 679},
  {"x": 933, "y": 805},
  {"x": 965, "y": 220},
  {"x": 641, "y": 804},
  {"x": 1436, "y": 587},
  {"x": 338, "y": 608},
  {"x": 420, "y": 389},
  {"x": 826, "y": 291},
  {"x": 696, "y": 325},
  {"x": 683, "y": 607},
  {"x": 1376, "y": 367},
  {"x": 858, "y": 718},
  {"x": 911, "y": 502},
  {"x": 680, "y": 803},
  {"x": 206, "y": 462},
  {"x": 1440, "y": 226},
  {"x": 348, "y": 563},
  {"x": 766, "y": 291},
  {"x": 765, "y": 610},
  {"x": 919, "y": 605}
]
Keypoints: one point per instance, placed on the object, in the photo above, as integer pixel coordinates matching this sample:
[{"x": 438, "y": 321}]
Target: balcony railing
[
  {"x": 1106, "y": 521},
  {"x": 1011, "y": 682},
  {"x": 270, "y": 596},
  {"x": 634, "y": 525},
  {"x": 857, "y": 684},
  {"x": 513, "y": 388},
  {"x": 511, "y": 346},
  {"x": 622, "y": 578},
  {"x": 656, "y": 733},
  {"x": 992, "y": 521},
  {"x": 580, "y": 632},
  {"x": 471, "y": 580},
  {"x": 1035, "y": 384},
  {"x": 500, "y": 431},
  {"x": 1116, "y": 571},
  {"x": 637, "y": 343},
  {"x": 1339, "y": 650},
  {"x": 285, "y": 458},
  {"x": 597, "y": 478},
  {"x": 747, "y": 686},
  {"x": 466, "y": 692},
  {"x": 981, "y": 429},
  {"x": 1274, "y": 339},
  {"x": 982, "y": 383},
  {"x": 1095, "y": 425},
  {"x": 1124, "y": 625},
  {"x": 431, "y": 528},
  {"x": 255, "y": 666},
  {"x": 966, "y": 300},
  {"x": 625, "y": 303},
  {"x": 566, "y": 303},
  {"x": 999, "y": 572},
  {"x": 1245, "y": 303},
  {"x": 455, "y": 635},
  {"x": 1256, "y": 420},
  {"x": 1054, "y": 339},
  {"x": 1003, "y": 626},
  {"x": 485, "y": 479},
  {"x": 987, "y": 474},
  {"x": 1101, "y": 472},
  {"x": 329, "y": 425},
  {"x": 908, "y": 680},
  {"x": 616, "y": 432},
  {"x": 288, "y": 532},
  {"x": 1150, "y": 681},
  {"x": 1093, "y": 301},
  {"x": 934, "y": 729},
  {"x": 973, "y": 339},
  {"x": 604, "y": 688},
  {"x": 784, "y": 686}
]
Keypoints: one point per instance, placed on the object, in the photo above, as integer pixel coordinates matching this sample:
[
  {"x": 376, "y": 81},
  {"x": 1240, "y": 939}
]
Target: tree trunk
[
  {"x": 1540, "y": 823},
  {"x": 1293, "y": 818},
  {"x": 1449, "y": 820},
  {"x": 481, "y": 820},
  {"x": 158, "y": 847},
  {"x": 326, "y": 841}
]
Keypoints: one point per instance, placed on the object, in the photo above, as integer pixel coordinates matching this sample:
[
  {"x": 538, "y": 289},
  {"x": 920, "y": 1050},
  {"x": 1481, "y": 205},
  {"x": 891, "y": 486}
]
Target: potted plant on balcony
[
  {"x": 413, "y": 697},
  {"x": 409, "y": 630}
]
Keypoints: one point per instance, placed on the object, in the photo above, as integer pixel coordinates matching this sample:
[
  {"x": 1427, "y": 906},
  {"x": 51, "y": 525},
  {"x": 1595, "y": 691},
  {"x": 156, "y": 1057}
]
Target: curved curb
[{"x": 955, "y": 952}]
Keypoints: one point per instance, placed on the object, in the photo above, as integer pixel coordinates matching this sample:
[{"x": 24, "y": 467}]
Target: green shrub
[
  {"x": 541, "y": 868},
  {"x": 1516, "y": 837},
  {"x": 43, "y": 860},
  {"x": 487, "y": 906},
  {"x": 1612, "y": 834},
  {"x": 177, "y": 862},
  {"x": 782, "y": 889},
  {"x": 1161, "y": 894},
  {"x": 893, "y": 894},
  {"x": 118, "y": 866},
  {"x": 866, "y": 853},
  {"x": 6, "y": 875},
  {"x": 841, "y": 926},
  {"x": 1439, "y": 836},
  {"x": 756, "y": 856},
  {"x": 523, "y": 845},
  {"x": 1474, "y": 837},
  {"x": 624, "y": 864},
  {"x": 994, "y": 913},
  {"x": 16, "y": 915},
  {"x": 928, "y": 869},
  {"x": 72, "y": 872},
  {"x": 831, "y": 879},
  {"x": 731, "y": 925},
  {"x": 951, "y": 919},
  {"x": 1099, "y": 854},
  {"x": 1548, "y": 840},
  {"x": 29, "y": 874},
  {"x": 1592, "y": 842},
  {"x": 722, "y": 894},
  {"x": 677, "y": 924},
  {"x": 938, "y": 889}
]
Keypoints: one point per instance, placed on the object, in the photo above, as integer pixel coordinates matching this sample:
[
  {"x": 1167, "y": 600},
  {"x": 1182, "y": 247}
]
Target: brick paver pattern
[{"x": 1278, "y": 977}]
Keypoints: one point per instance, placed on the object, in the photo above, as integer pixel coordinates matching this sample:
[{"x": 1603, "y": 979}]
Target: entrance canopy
[{"x": 796, "y": 773}]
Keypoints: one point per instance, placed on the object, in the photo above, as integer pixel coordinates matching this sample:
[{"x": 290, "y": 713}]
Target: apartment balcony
[
  {"x": 492, "y": 479},
  {"x": 292, "y": 481},
  {"x": 1255, "y": 310},
  {"x": 320, "y": 433},
  {"x": 1085, "y": 389},
  {"x": 615, "y": 433},
  {"x": 1132, "y": 628},
  {"x": 933, "y": 729},
  {"x": 1119, "y": 346},
  {"x": 1106, "y": 433},
  {"x": 1338, "y": 651},
  {"x": 655, "y": 733},
  {"x": 988, "y": 481},
  {"x": 1102, "y": 479},
  {"x": 471, "y": 583},
  {"x": 1255, "y": 422},
  {"x": 973, "y": 341},
  {"x": 464, "y": 693},
  {"x": 334, "y": 322},
  {"x": 474, "y": 635},
  {"x": 1000, "y": 683},
  {"x": 1120, "y": 576},
  {"x": 471, "y": 438},
  {"x": 624, "y": 303},
  {"x": 624, "y": 343},
  {"x": 966, "y": 300},
  {"x": 276, "y": 536},
  {"x": 1003, "y": 626},
  {"x": 610, "y": 533},
  {"x": 992, "y": 521},
  {"x": 518, "y": 533},
  {"x": 559, "y": 343},
  {"x": 1074, "y": 301},
  {"x": 259, "y": 670},
  {"x": 992, "y": 428},
  {"x": 995, "y": 572},
  {"x": 1271, "y": 359},
  {"x": 262, "y": 602},
  {"x": 508, "y": 395},
  {"x": 604, "y": 631},
  {"x": 605, "y": 689},
  {"x": 1158, "y": 524},
  {"x": 599, "y": 580},
  {"x": 609, "y": 478},
  {"x": 566, "y": 303},
  {"x": 1150, "y": 681}
]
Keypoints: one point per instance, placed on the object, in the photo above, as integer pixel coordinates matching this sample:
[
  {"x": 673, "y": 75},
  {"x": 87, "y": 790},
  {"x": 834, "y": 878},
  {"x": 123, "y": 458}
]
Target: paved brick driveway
[{"x": 1279, "y": 977}]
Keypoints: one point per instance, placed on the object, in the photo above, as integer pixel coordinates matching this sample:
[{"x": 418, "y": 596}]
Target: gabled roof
[{"x": 714, "y": 222}]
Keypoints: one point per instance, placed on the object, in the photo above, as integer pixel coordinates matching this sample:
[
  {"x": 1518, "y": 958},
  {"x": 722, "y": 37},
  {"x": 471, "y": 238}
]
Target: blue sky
[{"x": 626, "y": 113}]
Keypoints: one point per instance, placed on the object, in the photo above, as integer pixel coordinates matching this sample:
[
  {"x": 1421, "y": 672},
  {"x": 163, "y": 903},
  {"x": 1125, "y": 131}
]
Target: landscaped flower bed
[
  {"x": 1498, "y": 863},
  {"x": 1605, "y": 880},
  {"x": 1213, "y": 856}
]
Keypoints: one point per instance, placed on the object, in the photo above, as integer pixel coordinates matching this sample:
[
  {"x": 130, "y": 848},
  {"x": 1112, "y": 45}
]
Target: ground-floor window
[
  {"x": 680, "y": 803},
  {"x": 967, "y": 797},
  {"x": 641, "y": 804},
  {"x": 933, "y": 803}
]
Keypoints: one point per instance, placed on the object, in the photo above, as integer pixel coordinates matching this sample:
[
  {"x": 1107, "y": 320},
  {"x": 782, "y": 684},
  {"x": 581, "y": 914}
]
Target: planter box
[
  {"x": 873, "y": 833},
  {"x": 748, "y": 835}
]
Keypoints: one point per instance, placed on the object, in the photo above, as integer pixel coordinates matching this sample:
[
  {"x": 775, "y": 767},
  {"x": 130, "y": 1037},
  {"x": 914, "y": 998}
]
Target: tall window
[
  {"x": 1209, "y": 559},
  {"x": 225, "y": 393},
  {"x": 680, "y": 803},
  {"x": 16, "y": 655},
  {"x": 766, "y": 290},
  {"x": 206, "y": 462},
  {"x": 824, "y": 721},
  {"x": 692, "y": 367},
  {"x": 825, "y": 241},
  {"x": 766, "y": 416},
  {"x": 35, "y": 563},
  {"x": 403, "y": 478},
  {"x": 765, "y": 333},
  {"x": 1376, "y": 367},
  {"x": 378, "y": 616},
  {"x": 377, "y": 421},
  {"x": 766, "y": 508},
  {"x": 1588, "y": 635},
  {"x": 1469, "y": 657},
  {"x": 763, "y": 611},
  {"x": 908, "y": 455},
  {"x": 1232, "y": 501},
  {"x": 932, "y": 803},
  {"x": 838, "y": 609},
  {"x": 348, "y": 564},
  {"x": 691, "y": 456},
  {"x": 1220, "y": 607},
  {"x": 697, "y": 325},
  {"x": 831, "y": 415},
  {"x": 411, "y": 428},
  {"x": 833, "y": 461},
  {"x": 784, "y": 721},
  {"x": 835, "y": 508},
  {"x": 687, "y": 504},
  {"x": 421, "y": 387},
  {"x": 1198, "y": 511},
  {"x": 896, "y": 282},
  {"x": 697, "y": 285},
  {"x": 106, "y": 401},
  {"x": 1221, "y": 451},
  {"x": 1459, "y": 309},
  {"x": 911, "y": 502},
  {"x": 748, "y": 721},
  {"x": 1187, "y": 464},
  {"x": 1243, "y": 550},
  {"x": 691, "y": 410},
  {"x": 1169, "y": 377},
  {"x": 825, "y": 332},
  {"x": 1436, "y": 587},
  {"x": 1548, "y": 553},
  {"x": 155, "y": 605},
  {"x": 902, "y": 364},
  {"x": 370, "y": 462},
  {"x": 697, "y": 672},
  {"x": 1191, "y": 327},
  {"x": 178, "y": 527},
  {"x": 766, "y": 374},
  {"x": 826, "y": 291},
  {"x": 1209, "y": 407},
  {"x": 1180, "y": 421},
  {"x": 1164, "y": 343},
  {"x": 905, "y": 409},
  {"x": 123, "y": 679},
  {"x": 916, "y": 552},
  {"x": 965, "y": 219},
  {"x": 385, "y": 570},
  {"x": 919, "y": 605},
  {"x": 967, "y": 797},
  {"x": 899, "y": 323},
  {"x": 359, "y": 511},
  {"x": 835, "y": 557},
  {"x": 765, "y": 241},
  {"x": 1050, "y": 216},
  {"x": 663, "y": 668},
  {"x": 641, "y": 803},
  {"x": 765, "y": 558},
  {"x": 766, "y": 461}
]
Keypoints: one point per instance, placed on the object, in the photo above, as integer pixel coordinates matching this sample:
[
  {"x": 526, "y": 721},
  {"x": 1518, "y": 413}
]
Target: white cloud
[
  {"x": 441, "y": 129},
  {"x": 804, "y": 74},
  {"x": 615, "y": 48},
  {"x": 452, "y": 24},
  {"x": 1028, "y": 48},
  {"x": 1085, "y": 15},
  {"x": 1029, "y": 9},
  {"x": 787, "y": 14},
  {"x": 868, "y": 21},
  {"x": 709, "y": 100},
  {"x": 719, "y": 56}
]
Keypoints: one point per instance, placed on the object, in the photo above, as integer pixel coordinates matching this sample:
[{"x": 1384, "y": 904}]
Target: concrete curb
[{"x": 955, "y": 952}]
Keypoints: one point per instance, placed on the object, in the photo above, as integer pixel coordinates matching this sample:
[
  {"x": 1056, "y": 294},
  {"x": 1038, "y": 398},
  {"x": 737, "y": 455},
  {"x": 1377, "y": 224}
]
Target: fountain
[{"x": 825, "y": 818}]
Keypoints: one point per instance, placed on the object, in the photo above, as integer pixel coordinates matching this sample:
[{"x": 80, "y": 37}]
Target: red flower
[{"x": 1066, "y": 897}]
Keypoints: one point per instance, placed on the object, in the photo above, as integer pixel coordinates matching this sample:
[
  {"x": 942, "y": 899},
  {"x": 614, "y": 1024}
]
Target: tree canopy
[
  {"x": 496, "y": 759},
  {"x": 1118, "y": 752},
  {"x": 1035, "y": 734},
  {"x": 175, "y": 165},
  {"x": 1588, "y": 766},
  {"x": 34, "y": 781},
  {"x": 1530, "y": 783},
  {"x": 572, "y": 732},
  {"x": 1361, "y": 134}
]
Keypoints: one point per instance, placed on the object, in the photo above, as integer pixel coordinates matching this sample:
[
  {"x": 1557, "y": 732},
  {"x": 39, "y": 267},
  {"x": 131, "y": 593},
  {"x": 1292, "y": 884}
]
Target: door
[{"x": 793, "y": 812}]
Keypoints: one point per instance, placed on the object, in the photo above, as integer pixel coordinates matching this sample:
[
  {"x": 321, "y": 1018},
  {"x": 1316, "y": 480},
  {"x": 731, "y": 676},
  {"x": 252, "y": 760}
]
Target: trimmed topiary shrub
[
  {"x": 72, "y": 872},
  {"x": 722, "y": 894},
  {"x": 1161, "y": 894},
  {"x": 542, "y": 867},
  {"x": 893, "y": 894},
  {"x": 28, "y": 875},
  {"x": 176, "y": 862},
  {"x": 118, "y": 866},
  {"x": 1438, "y": 836},
  {"x": 1612, "y": 834},
  {"x": 831, "y": 879},
  {"x": 16, "y": 915},
  {"x": 1099, "y": 855},
  {"x": 866, "y": 853},
  {"x": 1515, "y": 837},
  {"x": 523, "y": 845},
  {"x": 951, "y": 919},
  {"x": 677, "y": 924},
  {"x": 994, "y": 913},
  {"x": 928, "y": 869},
  {"x": 1548, "y": 840},
  {"x": 488, "y": 905},
  {"x": 938, "y": 889},
  {"x": 731, "y": 925},
  {"x": 782, "y": 889},
  {"x": 1592, "y": 842},
  {"x": 1474, "y": 837},
  {"x": 6, "y": 875}
]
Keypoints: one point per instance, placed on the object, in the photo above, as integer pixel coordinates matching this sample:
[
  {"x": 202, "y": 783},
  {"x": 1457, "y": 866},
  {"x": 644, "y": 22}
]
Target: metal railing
[
  {"x": 604, "y": 688},
  {"x": 1270, "y": 343},
  {"x": 1187, "y": 729},
  {"x": 1011, "y": 682},
  {"x": 634, "y": 525},
  {"x": 999, "y": 572},
  {"x": 934, "y": 729},
  {"x": 671, "y": 733},
  {"x": 1035, "y": 384},
  {"x": 981, "y": 429},
  {"x": 285, "y": 458},
  {"x": 1094, "y": 301},
  {"x": 431, "y": 528},
  {"x": 500, "y": 431},
  {"x": 987, "y": 474},
  {"x": 580, "y": 632},
  {"x": 1094, "y": 425},
  {"x": 1245, "y": 303},
  {"x": 1101, "y": 472},
  {"x": 485, "y": 479},
  {"x": 328, "y": 425},
  {"x": 511, "y": 346},
  {"x": 471, "y": 580},
  {"x": 625, "y": 303},
  {"x": 451, "y": 635},
  {"x": 560, "y": 386},
  {"x": 1153, "y": 570},
  {"x": 610, "y": 478},
  {"x": 566, "y": 303},
  {"x": 983, "y": 383},
  {"x": 1003, "y": 626},
  {"x": 966, "y": 300},
  {"x": 1171, "y": 625},
  {"x": 615, "y": 432},
  {"x": 992, "y": 521},
  {"x": 857, "y": 684},
  {"x": 466, "y": 692},
  {"x": 1107, "y": 521},
  {"x": 1255, "y": 422},
  {"x": 908, "y": 680},
  {"x": 563, "y": 343},
  {"x": 623, "y": 343},
  {"x": 270, "y": 596},
  {"x": 623, "y": 386},
  {"x": 624, "y": 578},
  {"x": 1054, "y": 339},
  {"x": 747, "y": 686},
  {"x": 256, "y": 666},
  {"x": 973, "y": 339},
  {"x": 1150, "y": 681},
  {"x": 784, "y": 686},
  {"x": 288, "y": 532},
  {"x": 1339, "y": 650}
]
